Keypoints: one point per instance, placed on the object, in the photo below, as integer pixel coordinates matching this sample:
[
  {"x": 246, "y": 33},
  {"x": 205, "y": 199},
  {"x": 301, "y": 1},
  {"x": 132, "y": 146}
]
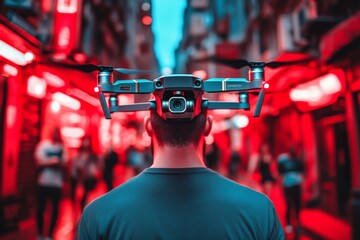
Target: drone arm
[
  {"x": 230, "y": 85},
  {"x": 134, "y": 86},
  {"x": 259, "y": 103},
  {"x": 134, "y": 107},
  {"x": 224, "y": 105},
  {"x": 104, "y": 105}
]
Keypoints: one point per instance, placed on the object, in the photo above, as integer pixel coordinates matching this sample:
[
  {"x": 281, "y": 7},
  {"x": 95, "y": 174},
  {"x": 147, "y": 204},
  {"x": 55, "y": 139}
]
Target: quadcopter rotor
[
  {"x": 240, "y": 63},
  {"x": 88, "y": 68}
]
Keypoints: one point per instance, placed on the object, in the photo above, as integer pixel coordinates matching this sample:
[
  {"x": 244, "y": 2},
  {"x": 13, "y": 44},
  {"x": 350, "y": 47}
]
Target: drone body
[{"x": 179, "y": 96}]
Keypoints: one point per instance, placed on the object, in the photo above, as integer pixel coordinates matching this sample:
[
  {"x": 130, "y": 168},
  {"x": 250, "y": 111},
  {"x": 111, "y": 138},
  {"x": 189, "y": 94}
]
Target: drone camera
[
  {"x": 179, "y": 96},
  {"x": 177, "y": 104}
]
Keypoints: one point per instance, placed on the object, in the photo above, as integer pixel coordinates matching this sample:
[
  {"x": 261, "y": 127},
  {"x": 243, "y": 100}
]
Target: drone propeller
[
  {"x": 234, "y": 63},
  {"x": 276, "y": 64},
  {"x": 132, "y": 71},
  {"x": 240, "y": 63},
  {"x": 88, "y": 68}
]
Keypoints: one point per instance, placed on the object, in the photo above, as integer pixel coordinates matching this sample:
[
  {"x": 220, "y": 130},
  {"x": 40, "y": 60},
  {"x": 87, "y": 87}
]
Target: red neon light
[
  {"x": 72, "y": 132},
  {"x": 29, "y": 56},
  {"x": 67, "y": 6},
  {"x": 200, "y": 73},
  {"x": 310, "y": 94},
  {"x": 66, "y": 26},
  {"x": 10, "y": 70},
  {"x": 330, "y": 84},
  {"x": 80, "y": 57},
  {"x": 46, "y": 5},
  {"x": 240, "y": 121},
  {"x": 66, "y": 100},
  {"x": 36, "y": 87},
  {"x": 73, "y": 142},
  {"x": 317, "y": 89},
  {"x": 64, "y": 37},
  {"x": 146, "y": 20},
  {"x": 55, "y": 106},
  {"x": 11, "y": 116},
  {"x": 72, "y": 118},
  {"x": 53, "y": 80},
  {"x": 12, "y": 54}
]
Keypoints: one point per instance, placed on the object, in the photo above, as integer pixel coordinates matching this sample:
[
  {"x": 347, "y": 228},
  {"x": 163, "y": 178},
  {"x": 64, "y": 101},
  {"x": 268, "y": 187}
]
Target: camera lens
[
  {"x": 177, "y": 104},
  {"x": 158, "y": 84}
]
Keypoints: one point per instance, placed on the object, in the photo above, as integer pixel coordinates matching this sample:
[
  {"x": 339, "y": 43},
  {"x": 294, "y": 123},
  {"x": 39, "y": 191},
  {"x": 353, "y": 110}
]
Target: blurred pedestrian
[
  {"x": 291, "y": 169},
  {"x": 259, "y": 168},
  {"x": 77, "y": 172},
  {"x": 86, "y": 167},
  {"x": 135, "y": 158},
  {"x": 110, "y": 160},
  {"x": 212, "y": 155},
  {"x": 234, "y": 165},
  {"x": 50, "y": 159},
  {"x": 264, "y": 162}
]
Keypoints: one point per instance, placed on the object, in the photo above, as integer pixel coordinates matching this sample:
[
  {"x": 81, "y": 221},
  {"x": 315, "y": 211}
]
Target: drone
[{"x": 180, "y": 96}]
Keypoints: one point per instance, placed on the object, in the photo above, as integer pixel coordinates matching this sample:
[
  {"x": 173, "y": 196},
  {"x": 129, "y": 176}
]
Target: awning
[{"x": 342, "y": 43}]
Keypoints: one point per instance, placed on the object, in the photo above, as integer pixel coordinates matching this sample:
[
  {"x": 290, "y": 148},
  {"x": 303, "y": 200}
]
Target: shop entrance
[{"x": 334, "y": 164}]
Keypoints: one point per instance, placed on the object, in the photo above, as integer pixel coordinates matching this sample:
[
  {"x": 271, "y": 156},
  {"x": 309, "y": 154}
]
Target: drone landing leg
[
  {"x": 259, "y": 103},
  {"x": 104, "y": 106}
]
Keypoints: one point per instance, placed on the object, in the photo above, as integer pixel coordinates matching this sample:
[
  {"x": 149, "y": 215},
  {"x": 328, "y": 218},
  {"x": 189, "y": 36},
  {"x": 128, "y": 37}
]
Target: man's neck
[{"x": 178, "y": 157}]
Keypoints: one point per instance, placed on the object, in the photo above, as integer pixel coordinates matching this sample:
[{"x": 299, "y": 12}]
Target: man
[{"x": 178, "y": 197}]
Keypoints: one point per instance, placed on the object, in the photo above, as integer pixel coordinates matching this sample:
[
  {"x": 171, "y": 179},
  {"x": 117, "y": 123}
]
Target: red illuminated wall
[{"x": 12, "y": 135}]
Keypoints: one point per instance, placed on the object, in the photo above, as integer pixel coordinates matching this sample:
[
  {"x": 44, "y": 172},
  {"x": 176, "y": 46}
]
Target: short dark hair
[{"x": 178, "y": 133}]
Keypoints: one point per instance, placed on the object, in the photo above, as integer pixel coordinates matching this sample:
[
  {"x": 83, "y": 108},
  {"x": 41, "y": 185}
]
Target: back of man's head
[{"x": 176, "y": 133}]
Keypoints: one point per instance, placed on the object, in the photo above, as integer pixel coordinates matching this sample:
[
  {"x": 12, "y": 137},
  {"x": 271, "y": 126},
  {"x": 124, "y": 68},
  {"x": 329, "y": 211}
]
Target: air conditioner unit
[{"x": 288, "y": 32}]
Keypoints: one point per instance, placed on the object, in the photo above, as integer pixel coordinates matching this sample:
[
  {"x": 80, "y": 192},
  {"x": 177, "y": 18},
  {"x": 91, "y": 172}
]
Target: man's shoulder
[
  {"x": 240, "y": 192},
  {"x": 114, "y": 197}
]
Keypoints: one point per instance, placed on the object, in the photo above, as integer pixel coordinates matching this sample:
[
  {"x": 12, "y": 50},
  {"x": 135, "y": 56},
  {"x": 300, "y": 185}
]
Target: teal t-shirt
[{"x": 185, "y": 203}]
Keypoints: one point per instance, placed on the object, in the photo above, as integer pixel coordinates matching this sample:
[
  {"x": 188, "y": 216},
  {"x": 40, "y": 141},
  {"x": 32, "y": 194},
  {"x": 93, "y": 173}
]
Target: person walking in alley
[
  {"x": 265, "y": 160},
  {"x": 261, "y": 161},
  {"x": 111, "y": 158},
  {"x": 85, "y": 165},
  {"x": 178, "y": 197},
  {"x": 50, "y": 159},
  {"x": 291, "y": 168}
]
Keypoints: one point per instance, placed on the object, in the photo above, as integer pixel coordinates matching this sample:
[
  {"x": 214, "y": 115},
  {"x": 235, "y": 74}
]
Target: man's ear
[
  {"x": 148, "y": 126},
  {"x": 208, "y": 125}
]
